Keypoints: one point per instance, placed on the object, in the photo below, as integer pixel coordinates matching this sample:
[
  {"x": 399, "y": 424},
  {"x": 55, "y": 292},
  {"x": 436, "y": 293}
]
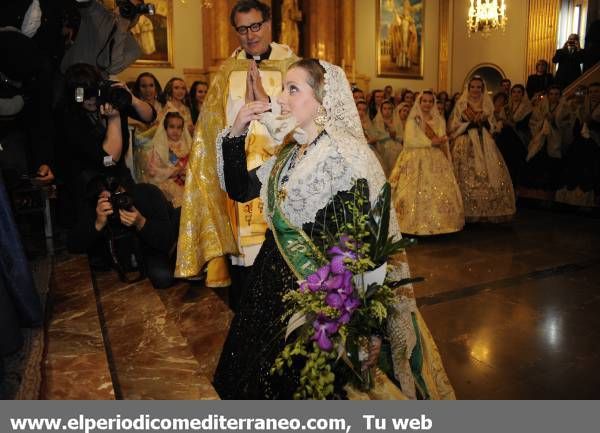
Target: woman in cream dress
[
  {"x": 387, "y": 120},
  {"x": 424, "y": 191},
  {"x": 480, "y": 171}
]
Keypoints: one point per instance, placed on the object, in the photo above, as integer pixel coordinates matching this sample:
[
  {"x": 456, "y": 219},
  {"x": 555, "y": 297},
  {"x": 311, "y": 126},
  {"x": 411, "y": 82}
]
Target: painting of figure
[
  {"x": 153, "y": 33},
  {"x": 400, "y": 25}
]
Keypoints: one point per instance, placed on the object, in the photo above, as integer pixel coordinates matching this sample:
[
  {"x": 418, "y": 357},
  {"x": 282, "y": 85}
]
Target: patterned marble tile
[
  {"x": 202, "y": 318},
  {"x": 76, "y": 366},
  {"x": 151, "y": 358}
]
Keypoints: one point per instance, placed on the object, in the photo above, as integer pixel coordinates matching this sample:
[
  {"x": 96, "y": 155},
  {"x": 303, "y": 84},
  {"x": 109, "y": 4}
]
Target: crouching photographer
[
  {"x": 97, "y": 141},
  {"x": 136, "y": 228}
]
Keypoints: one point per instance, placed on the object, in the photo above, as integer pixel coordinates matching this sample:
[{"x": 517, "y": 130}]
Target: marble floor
[{"x": 514, "y": 309}]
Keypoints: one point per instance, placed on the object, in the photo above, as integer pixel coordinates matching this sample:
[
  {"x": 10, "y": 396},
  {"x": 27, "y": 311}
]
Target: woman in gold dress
[
  {"x": 424, "y": 191},
  {"x": 482, "y": 176}
]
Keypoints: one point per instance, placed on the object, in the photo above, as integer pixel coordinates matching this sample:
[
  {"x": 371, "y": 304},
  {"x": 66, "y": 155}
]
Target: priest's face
[
  {"x": 257, "y": 42},
  {"x": 298, "y": 97}
]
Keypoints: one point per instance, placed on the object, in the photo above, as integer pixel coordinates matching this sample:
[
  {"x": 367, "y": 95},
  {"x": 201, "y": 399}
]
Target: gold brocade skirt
[
  {"x": 425, "y": 194},
  {"x": 482, "y": 200}
]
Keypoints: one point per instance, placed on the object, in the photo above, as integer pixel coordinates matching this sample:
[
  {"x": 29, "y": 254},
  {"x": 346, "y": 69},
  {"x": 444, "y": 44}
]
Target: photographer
[
  {"x": 150, "y": 218},
  {"x": 96, "y": 133},
  {"x": 569, "y": 59},
  {"x": 97, "y": 140}
]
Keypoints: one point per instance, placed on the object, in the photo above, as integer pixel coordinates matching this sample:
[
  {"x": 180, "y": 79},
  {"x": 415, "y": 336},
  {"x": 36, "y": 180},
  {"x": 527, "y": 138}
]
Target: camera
[
  {"x": 121, "y": 200},
  {"x": 104, "y": 93},
  {"x": 129, "y": 11}
]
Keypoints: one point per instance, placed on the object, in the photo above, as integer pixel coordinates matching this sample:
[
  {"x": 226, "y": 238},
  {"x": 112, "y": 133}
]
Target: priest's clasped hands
[{"x": 254, "y": 88}]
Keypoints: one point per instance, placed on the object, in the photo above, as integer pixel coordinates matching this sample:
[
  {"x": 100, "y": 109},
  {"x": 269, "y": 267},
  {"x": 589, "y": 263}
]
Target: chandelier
[{"x": 485, "y": 16}]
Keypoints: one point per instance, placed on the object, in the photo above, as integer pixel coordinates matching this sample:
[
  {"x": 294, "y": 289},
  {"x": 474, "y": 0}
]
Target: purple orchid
[
  {"x": 350, "y": 305},
  {"x": 339, "y": 257},
  {"x": 337, "y": 296},
  {"x": 334, "y": 282},
  {"x": 323, "y": 329},
  {"x": 315, "y": 281}
]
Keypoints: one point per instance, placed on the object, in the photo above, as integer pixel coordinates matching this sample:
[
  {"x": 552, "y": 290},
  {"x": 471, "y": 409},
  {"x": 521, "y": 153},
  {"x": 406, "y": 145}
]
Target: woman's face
[
  {"x": 201, "y": 90},
  {"x": 174, "y": 129},
  {"x": 404, "y": 112},
  {"x": 387, "y": 110},
  {"x": 298, "y": 98},
  {"x": 179, "y": 90},
  {"x": 358, "y": 95},
  {"x": 147, "y": 89},
  {"x": 426, "y": 103},
  {"x": 440, "y": 107},
  {"x": 409, "y": 98},
  {"x": 516, "y": 94},
  {"x": 541, "y": 68},
  {"x": 475, "y": 89},
  {"x": 362, "y": 110}
]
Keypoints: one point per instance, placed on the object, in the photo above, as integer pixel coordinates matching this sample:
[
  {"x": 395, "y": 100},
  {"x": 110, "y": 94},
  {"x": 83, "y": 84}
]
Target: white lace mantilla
[
  {"x": 326, "y": 169},
  {"x": 220, "y": 161}
]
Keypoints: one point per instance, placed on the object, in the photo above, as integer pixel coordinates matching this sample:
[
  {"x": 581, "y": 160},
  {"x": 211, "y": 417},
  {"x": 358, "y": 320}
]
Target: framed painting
[
  {"x": 400, "y": 34},
  {"x": 154, "y": 34}
]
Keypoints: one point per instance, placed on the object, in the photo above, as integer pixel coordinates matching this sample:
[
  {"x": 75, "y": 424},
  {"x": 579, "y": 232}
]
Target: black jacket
[{"x": 569, "y": 65}]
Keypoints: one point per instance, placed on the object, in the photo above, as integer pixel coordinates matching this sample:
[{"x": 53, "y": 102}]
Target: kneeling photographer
[
  {"x": 136, "y": 228},
  {"x": 97, "y": 140}
]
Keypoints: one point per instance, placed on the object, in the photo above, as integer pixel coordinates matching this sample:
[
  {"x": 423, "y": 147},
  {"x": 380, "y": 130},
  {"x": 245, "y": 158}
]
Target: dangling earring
[{"x": 320, "y": 118}]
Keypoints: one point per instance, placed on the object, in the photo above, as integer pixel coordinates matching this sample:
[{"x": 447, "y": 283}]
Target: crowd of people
[
  {"x": 147, "y": 169},
  {"x": 465, "y": 158}
]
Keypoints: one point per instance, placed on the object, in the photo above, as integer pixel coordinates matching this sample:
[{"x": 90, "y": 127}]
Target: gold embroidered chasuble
[{"x": 211, "y": 225}]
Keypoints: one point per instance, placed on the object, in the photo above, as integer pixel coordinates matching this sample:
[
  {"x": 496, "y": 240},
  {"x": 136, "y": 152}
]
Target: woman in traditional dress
[
  {"x": 197, "y": 95},
  {"x": 176, "y": 95},
  {"x": 388, "y": 120},
  {"x": 375, "y": 136},
  {"x": 550, "y": 125},
  {"x": 167, "y": 163},
  {"x": 147, "y": 88},
  {"x": 424, "y": 191},
  {"x": 480, "y": 171},
  {"x": 513, "y": 134},
  {"x": 580, "y": 179},
  {"x": 303, "y": 187}
]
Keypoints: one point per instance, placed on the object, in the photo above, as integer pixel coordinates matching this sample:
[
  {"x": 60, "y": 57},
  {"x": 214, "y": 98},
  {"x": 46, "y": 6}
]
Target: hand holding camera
[
  {"x": 107, "y": 206},
  {"x": 132, "y": 218},
  {"x": 103, "y": 210}
]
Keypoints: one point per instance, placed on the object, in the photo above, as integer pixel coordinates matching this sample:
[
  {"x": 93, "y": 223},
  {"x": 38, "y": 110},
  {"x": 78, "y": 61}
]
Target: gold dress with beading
[{"x": 424, "y": 191}]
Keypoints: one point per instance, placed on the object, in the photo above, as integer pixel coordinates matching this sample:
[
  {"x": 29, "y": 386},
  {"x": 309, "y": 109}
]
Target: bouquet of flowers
[{"x": 336, "y": 310}]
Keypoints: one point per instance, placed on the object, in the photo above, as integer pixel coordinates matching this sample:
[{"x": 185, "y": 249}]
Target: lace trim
[
  {"x": 263, "y": 173},
  {"x": 220, "y": 161}
]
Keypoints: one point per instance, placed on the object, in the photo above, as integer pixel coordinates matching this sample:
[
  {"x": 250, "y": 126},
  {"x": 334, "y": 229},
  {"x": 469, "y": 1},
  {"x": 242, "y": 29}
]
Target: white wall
[
  {"x": 366, "y": 55},
  {"x": 187, "y": 43},
  {"x": 507, "y": 50}
]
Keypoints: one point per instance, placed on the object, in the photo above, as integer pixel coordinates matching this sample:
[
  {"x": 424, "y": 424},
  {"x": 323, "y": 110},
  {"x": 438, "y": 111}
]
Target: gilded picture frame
[
  {"x": 154, "y": 35},
  {"x": 400, "y": 38}
]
